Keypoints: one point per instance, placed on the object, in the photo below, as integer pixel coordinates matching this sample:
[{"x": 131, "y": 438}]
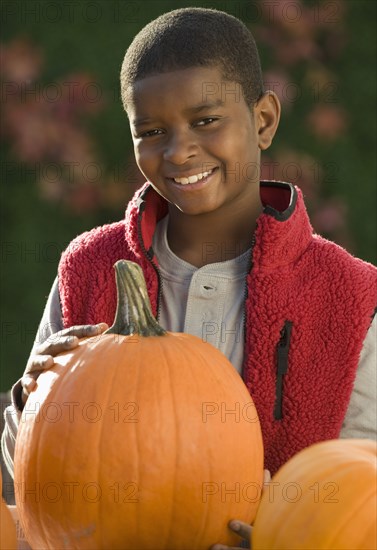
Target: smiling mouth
[{"x": 193, "y": 179}]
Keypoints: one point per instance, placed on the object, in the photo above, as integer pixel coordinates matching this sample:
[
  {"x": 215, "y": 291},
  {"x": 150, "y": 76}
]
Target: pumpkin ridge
[
  {"x": 163, "y": 350},
  {"x": 231, "y": 376},
  {"x": 167, "y": 351},
  {"x": 62, "y": 467},
  {"x": 24, "y": 451},
  {"x": 129, "y": 358},
  {"x": 59, "y": 396},
  {"x": 101, "y": 503},
  {"x": 208, "y": 510},
  {"x": 37, "y": 466},
  {"x": 138, "y": 468},
  {"x": 52, "y": 397}
]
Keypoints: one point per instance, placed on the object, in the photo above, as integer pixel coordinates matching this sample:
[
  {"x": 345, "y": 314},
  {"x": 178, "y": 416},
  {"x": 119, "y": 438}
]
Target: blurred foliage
[{"x": 66, "y": 158}]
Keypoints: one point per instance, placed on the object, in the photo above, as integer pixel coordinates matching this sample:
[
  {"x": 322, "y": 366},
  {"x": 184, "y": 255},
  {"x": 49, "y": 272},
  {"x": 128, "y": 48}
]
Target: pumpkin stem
[{"x": 134, "y": 313}]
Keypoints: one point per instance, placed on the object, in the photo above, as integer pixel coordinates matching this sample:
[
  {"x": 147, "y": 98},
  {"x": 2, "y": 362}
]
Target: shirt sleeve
[
  {"x": 51, "y": 322},
  {"x": 361, "y": 417},
  {"x": 52, "y": 319}
]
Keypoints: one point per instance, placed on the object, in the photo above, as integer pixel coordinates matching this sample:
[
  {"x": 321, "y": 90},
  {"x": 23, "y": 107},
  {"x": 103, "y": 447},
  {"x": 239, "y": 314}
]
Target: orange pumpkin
[
  {"x": 8, "y": 536},
  {"x": 138, "y": 439},
  {"x": 325, "y": 497}
]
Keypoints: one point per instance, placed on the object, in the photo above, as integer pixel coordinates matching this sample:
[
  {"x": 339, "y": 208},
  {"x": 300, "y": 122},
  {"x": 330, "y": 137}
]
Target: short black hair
[{"x": 193, "y": 37}]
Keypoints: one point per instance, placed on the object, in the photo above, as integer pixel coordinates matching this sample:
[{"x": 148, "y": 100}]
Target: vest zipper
[{"x": 282, "y": 367}]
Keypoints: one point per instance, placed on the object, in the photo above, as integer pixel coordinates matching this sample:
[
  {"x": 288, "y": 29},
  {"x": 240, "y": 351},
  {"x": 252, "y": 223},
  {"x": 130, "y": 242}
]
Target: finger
[
  {"x": 38, "y": 363},
  {"x": 81, "y": 331},
  {"x": 24, "y": 396},
  {"x": 55, "y": 341},
  {"x": 34, "y": 368},
  {"x": 266, "y": 478},
  {"x": 242, "y": 529},
  {"x": 28, "y": 384},
  {"x": 57, "y": 345}
]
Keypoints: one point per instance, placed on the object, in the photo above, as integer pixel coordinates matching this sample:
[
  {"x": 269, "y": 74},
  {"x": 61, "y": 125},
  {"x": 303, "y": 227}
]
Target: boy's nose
[{"x": 180, "y": 147}]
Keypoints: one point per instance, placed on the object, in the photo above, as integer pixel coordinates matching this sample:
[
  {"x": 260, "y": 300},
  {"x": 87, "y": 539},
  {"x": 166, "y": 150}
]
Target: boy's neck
[{"x": 212, "y": 237}]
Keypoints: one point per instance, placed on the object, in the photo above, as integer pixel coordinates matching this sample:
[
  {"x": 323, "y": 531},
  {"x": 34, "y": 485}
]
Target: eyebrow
[
  {"x": 207, "y": 105},
  {"x": 195, "y": 109}
]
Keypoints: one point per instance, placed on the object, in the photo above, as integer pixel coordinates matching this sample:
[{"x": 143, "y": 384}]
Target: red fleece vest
[{"x": 309, "y": 307}]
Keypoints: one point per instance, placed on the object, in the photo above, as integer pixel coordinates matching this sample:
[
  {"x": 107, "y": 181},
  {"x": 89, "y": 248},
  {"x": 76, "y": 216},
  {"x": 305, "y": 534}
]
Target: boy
[{"x": 225, "y": 257}]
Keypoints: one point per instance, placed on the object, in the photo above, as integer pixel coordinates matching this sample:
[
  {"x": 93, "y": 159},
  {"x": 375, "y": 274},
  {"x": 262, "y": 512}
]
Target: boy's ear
[{"x": 267, "y": 115}]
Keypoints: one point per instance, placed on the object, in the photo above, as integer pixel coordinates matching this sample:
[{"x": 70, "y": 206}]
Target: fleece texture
[{"x": 326, "y": 296}]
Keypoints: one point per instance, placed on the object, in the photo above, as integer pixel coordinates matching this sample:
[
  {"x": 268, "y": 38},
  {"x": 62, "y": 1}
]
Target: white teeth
[{"x": 192, "y": 179}]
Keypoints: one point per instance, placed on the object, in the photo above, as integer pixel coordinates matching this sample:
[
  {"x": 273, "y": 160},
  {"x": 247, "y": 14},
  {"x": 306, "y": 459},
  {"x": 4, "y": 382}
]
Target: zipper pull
[{"x": 282, "y": 367}]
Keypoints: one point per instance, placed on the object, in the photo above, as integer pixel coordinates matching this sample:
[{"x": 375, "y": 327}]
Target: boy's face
[{"x": 191, "y": 123}]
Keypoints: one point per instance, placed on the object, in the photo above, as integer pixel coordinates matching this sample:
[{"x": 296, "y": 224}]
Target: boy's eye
[
  {"x": 158, "y": 131},
  {"x": 206, "y": 121},
  {"x": 151, "y": 133}
]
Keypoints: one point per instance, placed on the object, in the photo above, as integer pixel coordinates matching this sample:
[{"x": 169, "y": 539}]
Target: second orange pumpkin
[{"x": 325, "y": 497}]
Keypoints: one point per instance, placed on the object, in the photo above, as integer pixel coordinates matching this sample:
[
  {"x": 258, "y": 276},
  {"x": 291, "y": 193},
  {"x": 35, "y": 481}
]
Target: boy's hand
[
  {"x": 43, "y": 356},
  {"x": 241, "y": 528}
]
